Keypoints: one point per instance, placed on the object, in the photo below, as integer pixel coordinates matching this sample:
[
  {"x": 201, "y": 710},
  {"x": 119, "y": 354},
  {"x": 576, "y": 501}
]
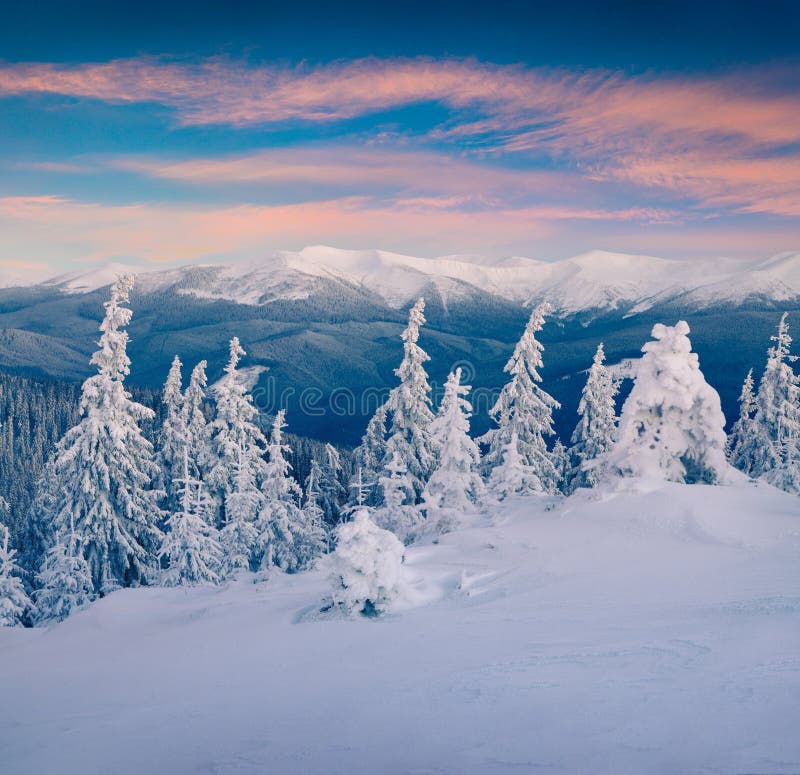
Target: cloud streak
[
  {"x": 155, "y": 232},
  {"x": 692, "y": 135}
]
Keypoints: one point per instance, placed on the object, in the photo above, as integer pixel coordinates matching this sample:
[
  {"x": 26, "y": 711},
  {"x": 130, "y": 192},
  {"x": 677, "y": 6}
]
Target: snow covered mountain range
[
  {"x": 329, "y": 320},
  {"x": 597, "y": 280}
]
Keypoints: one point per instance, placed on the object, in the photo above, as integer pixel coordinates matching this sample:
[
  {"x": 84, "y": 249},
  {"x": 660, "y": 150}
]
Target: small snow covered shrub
[
  {"x": 672, "y": 426},
  {"x": 366, "y": 568}
]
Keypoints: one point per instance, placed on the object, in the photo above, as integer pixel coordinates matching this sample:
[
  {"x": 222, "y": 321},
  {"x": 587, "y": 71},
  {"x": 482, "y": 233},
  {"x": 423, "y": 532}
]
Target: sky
[{"x": 178, "y": 132}]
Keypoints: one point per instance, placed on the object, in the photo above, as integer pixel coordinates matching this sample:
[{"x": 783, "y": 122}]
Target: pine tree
[
  {"x": 671, "y": 426},
  {"x": 560, "y": 458},
  {"x": 287, "y": 538},
  {"x": 742, "y": 431},
  {"x": 593, "y": 437},
  {"x": 409, "y": 408},
  {"x": 773, "y": 448},
  {"x": 244, "y": 503},
  {"x": 189, "y": 550},
  {"x": 524, "y": 410},
  {"x": 314, "y": 514},
  {"x": 172, "y": 436},
  {"x": 331, "y": 490},
  {"x": 197, "y": 429},
  {"x": 369, "y": 456},
  {"x": 237, "y": 449},
  {"x": 455, "y": 485},
  {"x": 103, "y": 468},
  {"x": 397, "y": 492},
  {"x": 15, "y": 605},
  {"x": 513, "y": 476},
  {"x": 64, "y": 584}
]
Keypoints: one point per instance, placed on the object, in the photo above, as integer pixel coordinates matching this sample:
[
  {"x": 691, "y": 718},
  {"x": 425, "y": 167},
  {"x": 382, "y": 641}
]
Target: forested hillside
[{"x": 35, "y": 413}]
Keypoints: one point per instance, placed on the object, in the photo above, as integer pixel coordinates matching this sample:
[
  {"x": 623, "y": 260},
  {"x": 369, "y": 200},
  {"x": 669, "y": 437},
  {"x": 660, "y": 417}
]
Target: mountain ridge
[{"x": 594, "y": 280}]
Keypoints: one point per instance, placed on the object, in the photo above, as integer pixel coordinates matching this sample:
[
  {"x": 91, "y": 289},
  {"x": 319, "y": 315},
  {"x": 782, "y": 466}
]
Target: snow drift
[{"x": 653, "y": 632}]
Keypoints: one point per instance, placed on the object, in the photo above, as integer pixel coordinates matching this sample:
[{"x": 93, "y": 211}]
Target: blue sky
[{"x": 181, "y": 132}]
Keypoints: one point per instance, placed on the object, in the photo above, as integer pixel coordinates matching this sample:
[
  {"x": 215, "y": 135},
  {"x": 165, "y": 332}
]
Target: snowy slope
[
  {"x": 591, "y": 281},
  {"x": 641, "y": 633}
]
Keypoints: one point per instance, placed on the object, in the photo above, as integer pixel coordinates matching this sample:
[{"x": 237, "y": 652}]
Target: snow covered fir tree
[
  {"x": 524, "y": 413},
  {"x": 455, "y": 485},
  {"x": 766, "y": 438},
  {"x": 190, "y": 552},
  {"x": 218, "y": 493},
  {"x": 594, "y": 434},
  {"x": 671, "y": 426},
  {"x": 409, "y": 409},
  {"x": 15, "y": 604},
  {"x": 103, "y": 511}
]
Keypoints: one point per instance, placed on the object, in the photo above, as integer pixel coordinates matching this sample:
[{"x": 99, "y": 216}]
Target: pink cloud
[
  {"x": 589, "y": 105},
  {"x": 696, "y": 136},
  {"x": 94, "y": 231},
  {"x": 407, "y": 174}
]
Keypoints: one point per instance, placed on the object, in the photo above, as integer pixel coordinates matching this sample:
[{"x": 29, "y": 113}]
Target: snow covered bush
[
  {"x": 367, "y": 566},
  {"x": 672, "y": 426}
]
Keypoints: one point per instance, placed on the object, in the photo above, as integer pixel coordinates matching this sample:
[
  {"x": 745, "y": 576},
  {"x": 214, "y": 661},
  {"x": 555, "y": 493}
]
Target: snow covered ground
[{"x": 641, "y": 632}]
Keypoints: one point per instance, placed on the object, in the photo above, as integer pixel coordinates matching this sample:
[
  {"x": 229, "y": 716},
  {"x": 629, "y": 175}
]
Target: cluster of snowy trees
[
  {"x": 215, "y": 494},
  {"x": 430, "y": 473},
  {"x": 209, "y": 498}
]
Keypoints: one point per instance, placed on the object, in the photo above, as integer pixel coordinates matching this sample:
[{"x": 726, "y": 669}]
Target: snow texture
[{"x": 610, "y": 633}]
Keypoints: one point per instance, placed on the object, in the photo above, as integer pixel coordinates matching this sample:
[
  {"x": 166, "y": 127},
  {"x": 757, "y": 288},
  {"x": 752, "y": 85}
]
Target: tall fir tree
[
  {"x": 237, "y": 449},
  {"x": 332, "y": 492},
  {"x": 773, "y": 449},
  {"x": 455, "y": 484},
  {"x": 742, "y": 431},
  {"x": 288, "y": 539},
  {"x": 560, "y": 457},
  {"x": 409, "y": 407},
  {"x": 244, "y": 503},
  {"x": 171, "y": 439},
  {"x": 593, "y": 436},
  {"x": 103, "y": 467},
  {"x": 15, "y": 605},
  {"x": 524, "y": 411},
  {"x": 314, "y": 514},
  {"x": 369, "y": 457},
  {"x": 197, "y": 427},
  {"x": 190, "y": 552}
]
